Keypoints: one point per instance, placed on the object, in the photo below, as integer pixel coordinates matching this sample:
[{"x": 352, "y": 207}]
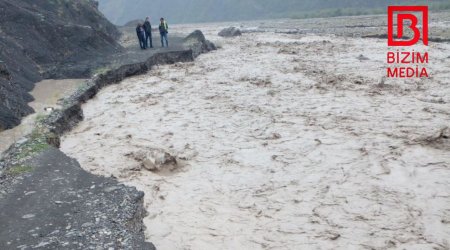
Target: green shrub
[{"x": 18, "y": 170}]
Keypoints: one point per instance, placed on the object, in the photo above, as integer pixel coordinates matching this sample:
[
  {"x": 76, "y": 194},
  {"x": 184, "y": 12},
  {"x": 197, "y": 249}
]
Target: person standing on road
[
  {"x": 140, "y": 32},
  {"x": 148, "y": 32},
  {"x": 163, "y": 31}
]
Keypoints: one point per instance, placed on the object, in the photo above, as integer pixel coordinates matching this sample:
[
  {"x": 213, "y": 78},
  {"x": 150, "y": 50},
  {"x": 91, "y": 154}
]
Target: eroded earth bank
[{"x": 282, "y": 141}]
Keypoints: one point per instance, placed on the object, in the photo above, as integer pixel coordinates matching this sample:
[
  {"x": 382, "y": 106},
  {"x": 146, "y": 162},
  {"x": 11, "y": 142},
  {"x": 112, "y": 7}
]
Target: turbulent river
[{"x": 284, "y": 141}]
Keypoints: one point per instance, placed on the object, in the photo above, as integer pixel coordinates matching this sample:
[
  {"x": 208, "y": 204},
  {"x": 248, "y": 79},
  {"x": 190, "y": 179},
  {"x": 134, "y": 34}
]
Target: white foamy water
[{"x": 288, "y": 141}]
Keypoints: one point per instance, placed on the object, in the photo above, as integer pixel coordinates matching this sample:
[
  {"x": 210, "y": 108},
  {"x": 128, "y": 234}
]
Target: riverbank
[{"x": 39, "y": 178}]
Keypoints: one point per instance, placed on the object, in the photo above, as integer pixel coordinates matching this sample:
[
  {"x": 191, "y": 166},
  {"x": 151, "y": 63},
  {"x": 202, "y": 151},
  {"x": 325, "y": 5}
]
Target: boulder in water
[
  {"x": 230, "y": 32},
  {"x": 155, "y": 160},
  {"x": 198, "y": 43}
]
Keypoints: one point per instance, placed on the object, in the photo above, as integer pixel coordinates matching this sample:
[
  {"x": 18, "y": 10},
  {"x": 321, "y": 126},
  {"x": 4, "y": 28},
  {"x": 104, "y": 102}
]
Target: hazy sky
[{"x": 178, "y": 11}]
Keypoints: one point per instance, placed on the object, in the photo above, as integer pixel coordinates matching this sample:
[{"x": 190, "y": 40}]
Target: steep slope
[{"x": 46, "y": 39}]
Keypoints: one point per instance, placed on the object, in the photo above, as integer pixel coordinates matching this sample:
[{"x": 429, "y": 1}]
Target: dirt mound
[{"x": 133, "y": 23}]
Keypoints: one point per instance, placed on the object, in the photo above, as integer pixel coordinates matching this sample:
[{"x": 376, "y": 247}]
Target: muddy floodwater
[
  {"x": 46, "y": 95},
  {"x": 283, "y": 141}
]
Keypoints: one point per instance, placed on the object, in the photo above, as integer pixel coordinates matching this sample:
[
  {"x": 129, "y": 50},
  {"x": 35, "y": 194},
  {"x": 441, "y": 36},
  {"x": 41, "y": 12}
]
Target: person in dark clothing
[
  {"x": 163, "y": 31},
  {"x": 148, "y": 32},
  {"x": 140, "y": 32}
]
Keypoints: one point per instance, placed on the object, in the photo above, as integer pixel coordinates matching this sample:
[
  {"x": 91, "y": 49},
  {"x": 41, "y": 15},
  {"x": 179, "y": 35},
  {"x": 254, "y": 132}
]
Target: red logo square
[{"x": 401, "y": 17}]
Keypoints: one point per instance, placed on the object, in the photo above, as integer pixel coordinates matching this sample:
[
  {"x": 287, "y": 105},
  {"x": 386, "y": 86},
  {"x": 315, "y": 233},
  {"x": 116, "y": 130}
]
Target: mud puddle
[{"x": 46, "y": 94}]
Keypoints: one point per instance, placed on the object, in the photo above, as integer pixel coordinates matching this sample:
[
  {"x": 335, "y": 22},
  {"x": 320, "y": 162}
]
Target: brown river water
[{"x": 46, "y": 94}]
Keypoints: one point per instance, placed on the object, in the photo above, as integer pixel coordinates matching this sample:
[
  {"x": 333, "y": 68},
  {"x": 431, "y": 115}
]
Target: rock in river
[{"x": 230, "y": 32}]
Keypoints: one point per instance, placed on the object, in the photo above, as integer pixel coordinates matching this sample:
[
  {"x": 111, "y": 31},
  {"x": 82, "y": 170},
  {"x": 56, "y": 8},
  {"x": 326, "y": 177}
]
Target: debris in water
[{"x": 155, "y": 160}]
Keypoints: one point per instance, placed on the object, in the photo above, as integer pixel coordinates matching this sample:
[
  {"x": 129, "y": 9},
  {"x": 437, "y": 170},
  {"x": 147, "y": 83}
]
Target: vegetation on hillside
[{"x": 122, "y": 11}]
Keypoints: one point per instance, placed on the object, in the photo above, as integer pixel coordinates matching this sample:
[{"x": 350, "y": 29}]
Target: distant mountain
[
  {"x": 183, "y": 11},
  {"x": 43, "y": 38}
]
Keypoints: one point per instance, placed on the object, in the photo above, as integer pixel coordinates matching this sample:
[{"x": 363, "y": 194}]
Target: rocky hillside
[{"x": 47, "y": 39}]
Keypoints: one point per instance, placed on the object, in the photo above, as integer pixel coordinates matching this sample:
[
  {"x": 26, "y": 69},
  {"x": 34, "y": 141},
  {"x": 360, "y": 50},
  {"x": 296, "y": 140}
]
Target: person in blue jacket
[
  {"x": 140, "y": 32},
  {"x": 163, "y": 31}
]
